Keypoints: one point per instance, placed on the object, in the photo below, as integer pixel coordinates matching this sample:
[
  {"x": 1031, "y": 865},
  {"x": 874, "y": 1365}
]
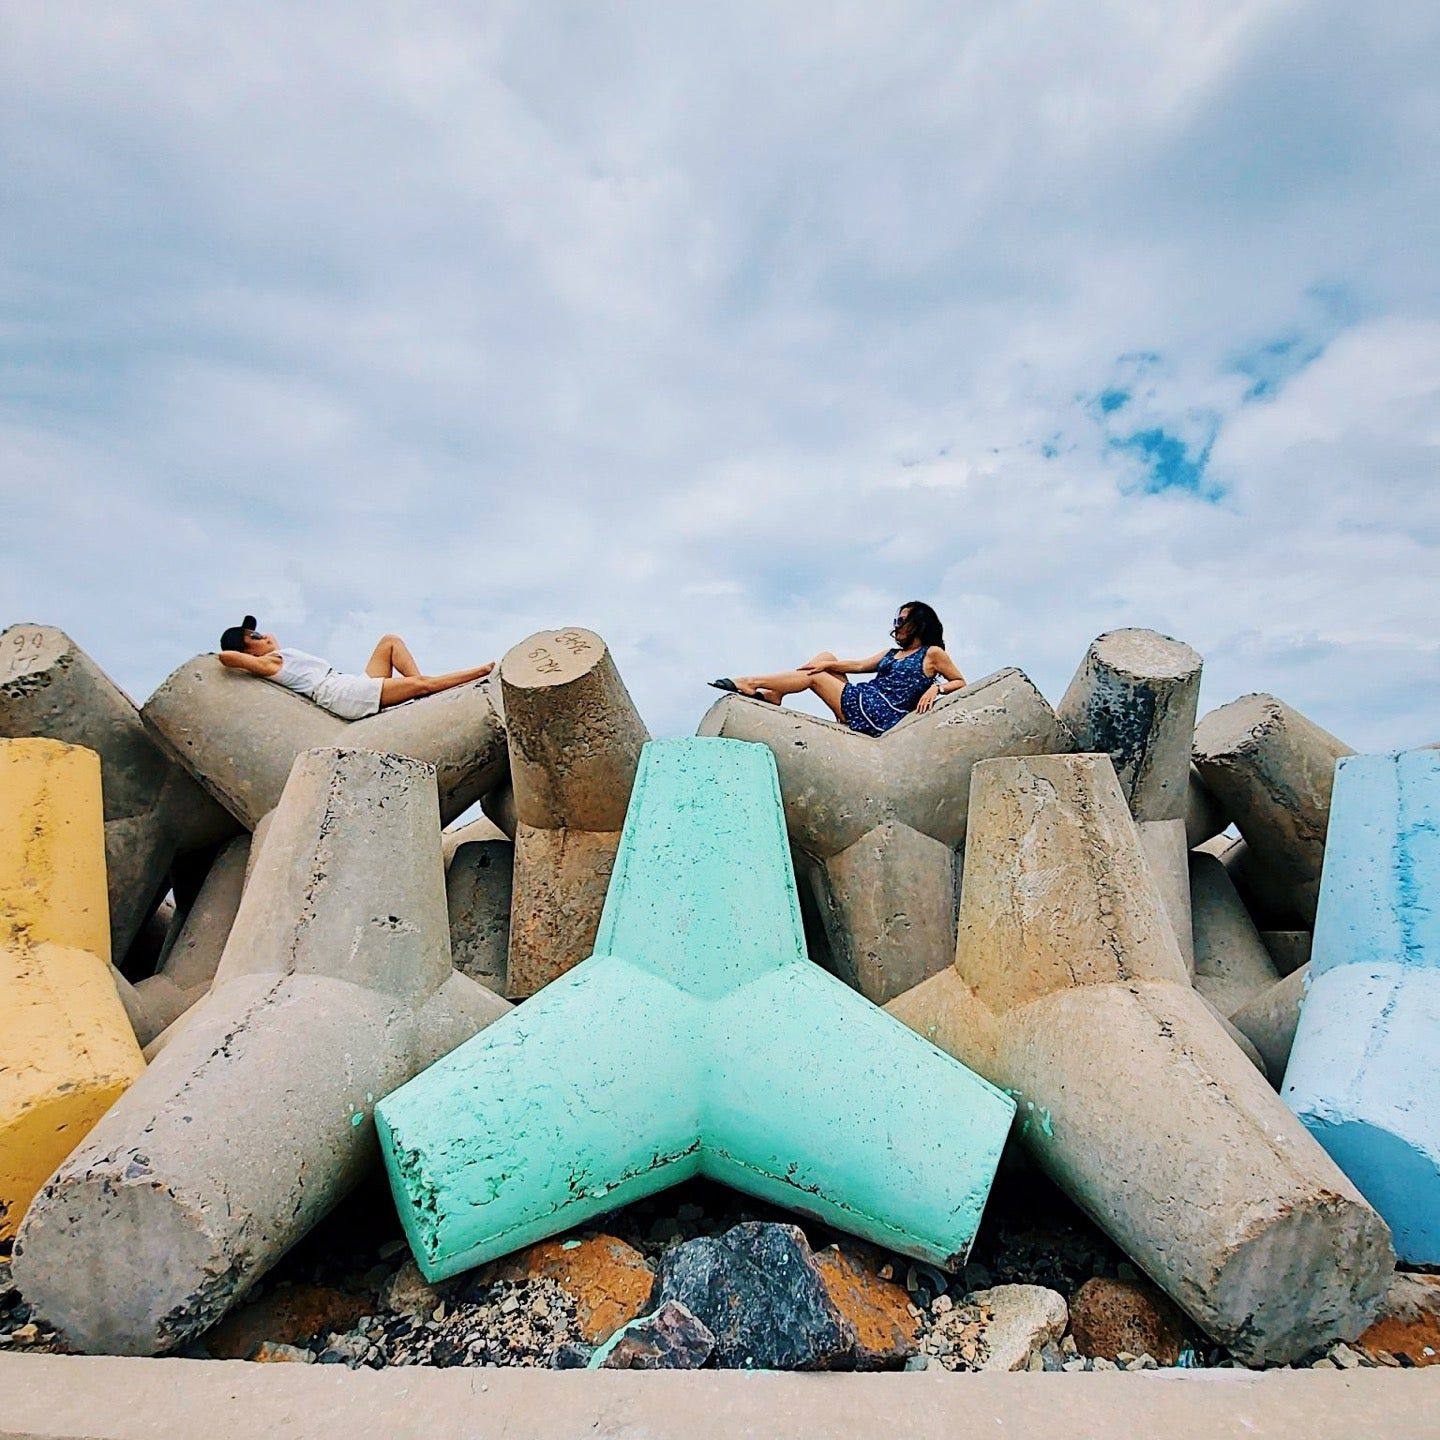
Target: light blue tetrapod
[
  {"x": 1364, "y": 1071},
  {"x": 698, "y": 1039}
]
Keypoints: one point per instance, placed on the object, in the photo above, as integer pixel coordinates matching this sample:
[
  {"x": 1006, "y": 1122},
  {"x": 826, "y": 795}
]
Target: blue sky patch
[
  {"x": 1112, "y": 400},
  {"x": 1170, "y": 463}
]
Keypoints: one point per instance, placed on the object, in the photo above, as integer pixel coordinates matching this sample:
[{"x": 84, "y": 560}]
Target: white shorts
[{"x": 351, "y": 697}]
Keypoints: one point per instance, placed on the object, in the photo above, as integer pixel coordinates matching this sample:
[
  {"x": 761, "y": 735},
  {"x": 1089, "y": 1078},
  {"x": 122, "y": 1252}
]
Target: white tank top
[{"x": 300, "y": 671}]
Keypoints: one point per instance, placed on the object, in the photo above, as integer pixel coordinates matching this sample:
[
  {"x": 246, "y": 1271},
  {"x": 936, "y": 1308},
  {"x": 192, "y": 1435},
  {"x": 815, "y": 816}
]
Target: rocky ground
[{"x": 702, "y": 1276}]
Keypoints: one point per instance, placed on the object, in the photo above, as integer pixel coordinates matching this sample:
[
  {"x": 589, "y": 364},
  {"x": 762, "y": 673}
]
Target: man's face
[{"x": 258, "y": 644}]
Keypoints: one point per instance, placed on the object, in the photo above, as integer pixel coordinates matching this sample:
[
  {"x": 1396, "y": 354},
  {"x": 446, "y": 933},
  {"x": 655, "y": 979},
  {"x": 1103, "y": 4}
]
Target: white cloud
[{"x": 723, "y": 330}]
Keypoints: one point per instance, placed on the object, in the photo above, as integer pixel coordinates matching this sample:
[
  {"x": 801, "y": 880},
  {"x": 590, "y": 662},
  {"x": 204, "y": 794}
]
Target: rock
[
  {"x": 760, "y": 1292},
  {"x": 270, "y": 1352},
  {"x": 571, "y": 1356},
  {"x": 407, "y": 1293},
  {"x": 670, "y": 1339},
  {"x": 1346, "y": 1358},
  {"x": 1023, "y": 1319},
  {"x": 609, "y": 1280},
  {"x": 1108, "y": 1317},
  {"x": 878, "y": 1309},
  {"x": 292, "y": 1316},
  {"x": 1408, "y": 1326}
]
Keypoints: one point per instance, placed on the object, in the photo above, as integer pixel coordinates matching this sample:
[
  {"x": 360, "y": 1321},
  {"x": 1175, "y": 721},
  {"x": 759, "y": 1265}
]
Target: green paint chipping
[{"x": 697, "y": 1040}]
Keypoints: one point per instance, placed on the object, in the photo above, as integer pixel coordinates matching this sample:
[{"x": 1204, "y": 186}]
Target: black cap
[{"x": 235, "y": 637}]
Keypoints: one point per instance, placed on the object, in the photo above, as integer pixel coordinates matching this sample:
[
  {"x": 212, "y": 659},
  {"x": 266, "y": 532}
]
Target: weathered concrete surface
[
  {"x": 1205, "y": 817},
  {"x": 1069, "y": 992},
  {"x": 1362, "y": 1073},
  {"x": 239, "y": 735},
  {"x": 335, "y": 987},
  {"x": 188, "y": 965},
  {"x": 1272, "y": 770},
  {"x": 575, "y": 738},
  {"x": 66, "y": 1050},
  {"x": 153, "y": 809},
  {"x": 1268, "y": 1021},
  {"x": 1232, "y": 965},
  {"x": 478, "y": 885},
  {"x": 1162, "y": 842},
  {"x": 1289, "y": 949},
  {"x": 883, "y": 819},
  {"x": 64, "y": 1398},
  {"x": 710, "y": 1045},
  {"x": 1134, "y": 698},
  {"x": 483, "y": 829}
]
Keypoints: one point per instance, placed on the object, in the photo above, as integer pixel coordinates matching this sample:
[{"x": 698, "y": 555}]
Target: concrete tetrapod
[
  {"x": 239, "y": 735},
  {"x": 1362, "y": 1068},
  {"x": 1232, "y": 965},
  {"x": 1068, "y": 990},
  {"x": 66, "y": 1050},
  {"x": 479, "y": 882},
  {"x": 1271, "y": 769},
  {"x": 574, "y": 736},
  {"x": 881, "y": 820},
  {"x": 1134, "y": 699},
  {"x": 153, "y": 809},
  {"x": 335, "y": 987},
  {"x": 697, "y": 1040},
  {"x": 188, "y": 964},
  {"x": 1269, "y": 1020}
]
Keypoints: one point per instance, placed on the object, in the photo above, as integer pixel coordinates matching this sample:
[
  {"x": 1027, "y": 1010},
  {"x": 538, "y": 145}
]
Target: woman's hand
[
  {"x": 817, "y": 667},
  {"x": 928, "y": 698}
]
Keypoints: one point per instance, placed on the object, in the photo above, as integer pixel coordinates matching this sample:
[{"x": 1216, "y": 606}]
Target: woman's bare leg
[
  {"x": 392, "y": 657},
  {"x": 830, "y": 688},
  {"x": 782, "y": 683},
  {"x": 401, "y": 688}
]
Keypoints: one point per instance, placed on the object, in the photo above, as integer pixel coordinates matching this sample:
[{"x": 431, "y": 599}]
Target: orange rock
[
  {"x": 1409, "y": 1322},
  {"x": 1110, "y": 1316},
  {"x": 885, "y": 1330},
  {"x": 608, "y": 1279},
  {"x": 289, "y": 1316}
]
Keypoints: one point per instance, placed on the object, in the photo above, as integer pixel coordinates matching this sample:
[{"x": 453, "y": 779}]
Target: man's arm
[{"x": 265, "y": 665}]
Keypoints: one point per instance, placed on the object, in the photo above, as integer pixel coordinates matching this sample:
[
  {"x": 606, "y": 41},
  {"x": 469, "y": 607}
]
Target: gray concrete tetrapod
[
  {"x": 575, "y": 739},
  {"x": 153, "y": 809},
  {"x": 1269, "y": 1020},
  {"x": 1272, "y": 770},
  {"x": 239, "y": 735},
  {"x": 335, "y": 988},
  {"x": 1289, "y": 949},
  {"x": 1134, "y": 699},
  {"x": 1205, "y": 817},
  {"x": 881, "y": 820},
  {"x": 1232, "y": 964},
  {"x": 479, "y": 882},
  {"x": 1068, "y": 991},
  {"x": 191, "y": 958},
  {"x": 1163, "y": 844}
]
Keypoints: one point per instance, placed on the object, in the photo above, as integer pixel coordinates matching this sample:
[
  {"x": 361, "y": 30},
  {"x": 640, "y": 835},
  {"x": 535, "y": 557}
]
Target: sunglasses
[{"x": 898, "y": 622}]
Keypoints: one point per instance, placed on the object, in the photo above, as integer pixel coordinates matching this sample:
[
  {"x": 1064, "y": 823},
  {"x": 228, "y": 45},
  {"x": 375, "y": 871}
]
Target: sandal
[{"x": 725, "y": 684}]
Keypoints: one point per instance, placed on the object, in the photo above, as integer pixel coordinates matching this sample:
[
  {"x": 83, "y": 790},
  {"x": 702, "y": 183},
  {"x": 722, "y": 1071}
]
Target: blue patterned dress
[{"x": 872, "y": 707}]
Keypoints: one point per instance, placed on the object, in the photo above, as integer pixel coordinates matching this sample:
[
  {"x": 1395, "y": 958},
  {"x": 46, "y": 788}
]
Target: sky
[{"x": 724, "y": 329}]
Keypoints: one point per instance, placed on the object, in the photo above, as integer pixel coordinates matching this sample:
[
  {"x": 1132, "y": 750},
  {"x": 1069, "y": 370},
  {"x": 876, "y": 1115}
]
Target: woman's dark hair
[{"x": 924, "y": 622}]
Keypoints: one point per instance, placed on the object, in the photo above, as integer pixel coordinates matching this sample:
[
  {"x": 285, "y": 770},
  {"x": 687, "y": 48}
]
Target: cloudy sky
[{"x": 723, "y": 328}]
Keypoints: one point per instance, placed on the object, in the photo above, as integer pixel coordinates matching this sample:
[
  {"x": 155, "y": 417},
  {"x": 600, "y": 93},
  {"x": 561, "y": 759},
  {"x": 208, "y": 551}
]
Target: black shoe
[{"x": 724, "y": 684}]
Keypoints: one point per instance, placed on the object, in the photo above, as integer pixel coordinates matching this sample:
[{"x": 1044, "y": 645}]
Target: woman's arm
[
  {"x": 947, "y": 678},
  {"x": 265, "y": 665},
  {"x": 867, "y": 666}
]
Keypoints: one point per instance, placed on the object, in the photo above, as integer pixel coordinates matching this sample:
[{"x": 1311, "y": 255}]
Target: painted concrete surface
[
  {"x": 1363, "y": 1067},
  {"x": 1068, "y": 989},
  {"x": 698, "y": 1039},
  {"x": 63, "y": 1398},
  {"x": 66, "y": 1047},
  {"x": 154, "y": 811},
  {"x": 882, "y": 820},
  {"x": 335, "y": 986}
]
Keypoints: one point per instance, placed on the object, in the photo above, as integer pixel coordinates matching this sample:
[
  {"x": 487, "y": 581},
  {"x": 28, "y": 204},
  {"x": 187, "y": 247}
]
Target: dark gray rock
[
  {"x": 759, "y": 1291},
  {"x": 571, "y": 1356},
  {"x": 670, "y": 1339}
]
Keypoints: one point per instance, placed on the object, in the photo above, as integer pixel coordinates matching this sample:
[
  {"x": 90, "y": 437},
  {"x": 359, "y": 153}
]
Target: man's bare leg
[
  {"x": 392, "y": 657},
  {"x": 399, "y": 689}
]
